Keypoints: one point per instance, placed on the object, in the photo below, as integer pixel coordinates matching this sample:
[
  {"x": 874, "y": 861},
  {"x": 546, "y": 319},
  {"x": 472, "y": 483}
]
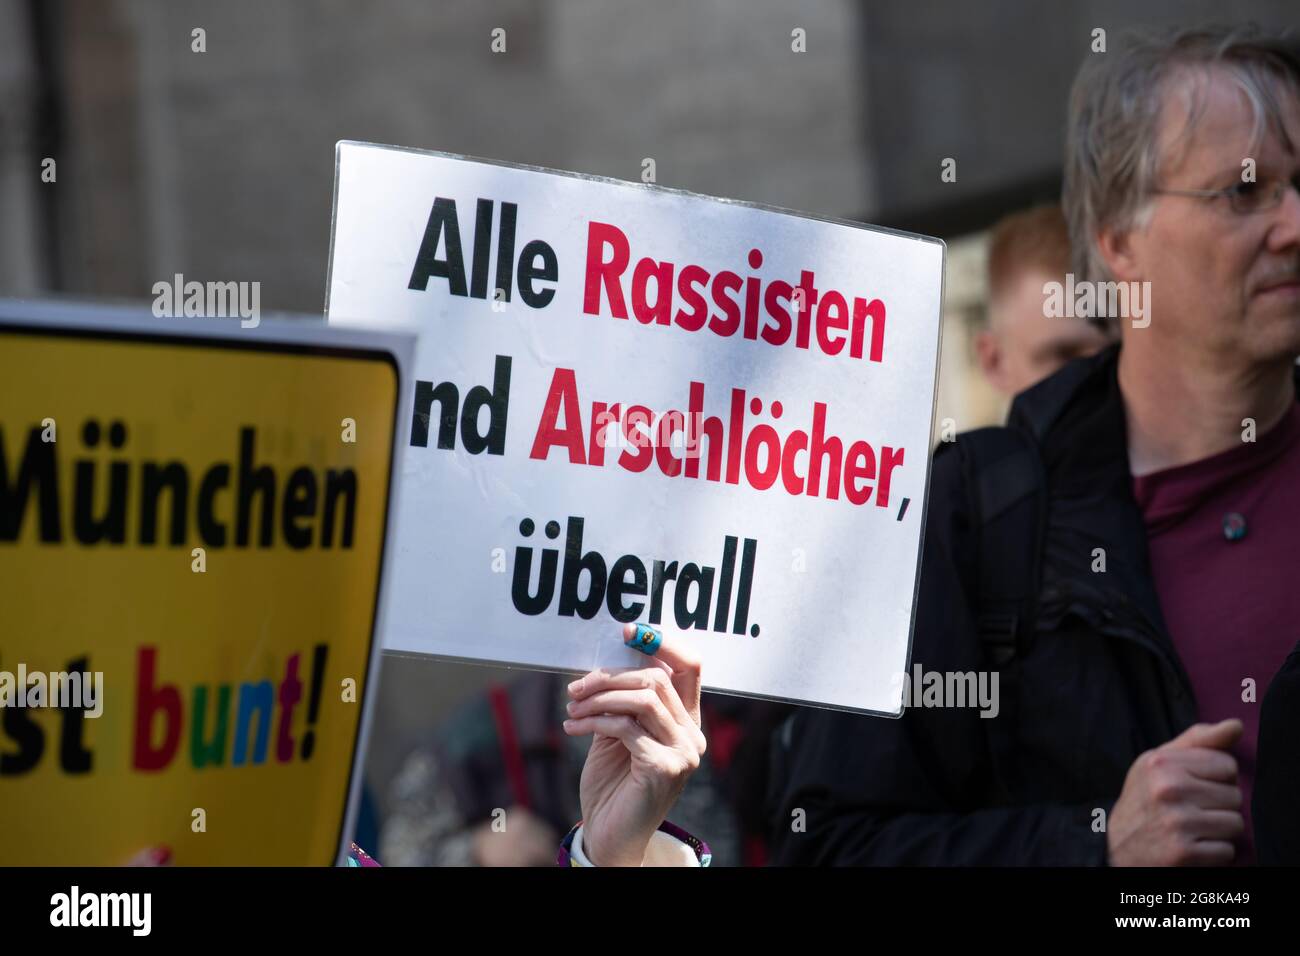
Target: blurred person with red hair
[{"x": 1021, "y": 345}]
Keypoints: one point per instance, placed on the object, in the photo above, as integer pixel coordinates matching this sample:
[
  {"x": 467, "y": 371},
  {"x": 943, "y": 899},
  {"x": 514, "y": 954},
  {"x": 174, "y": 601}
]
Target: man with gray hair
[{"x": 1123, "y": 552}]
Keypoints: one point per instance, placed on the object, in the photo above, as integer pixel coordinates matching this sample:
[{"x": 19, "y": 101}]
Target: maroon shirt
[{"x": 1224, "y": 537}]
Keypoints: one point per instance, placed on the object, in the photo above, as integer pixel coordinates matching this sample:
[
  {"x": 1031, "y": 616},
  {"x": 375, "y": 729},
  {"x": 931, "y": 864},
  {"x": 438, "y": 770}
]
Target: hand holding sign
[{"x": 647, "y": 743}]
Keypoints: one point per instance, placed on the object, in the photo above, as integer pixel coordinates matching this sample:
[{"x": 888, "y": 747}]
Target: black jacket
[
  {"x": 1276, "y": 802},
  {"x": 1099, "y": 681}
]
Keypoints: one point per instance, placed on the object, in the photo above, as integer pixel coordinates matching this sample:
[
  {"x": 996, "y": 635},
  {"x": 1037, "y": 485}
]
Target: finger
[
  {"x": 642, "y": 704},
  {"x": 1218, "y": 825},
  {"x": 690, "y": 721},
  {"x": 632, "y": 735},
  {"x": 657, "y": 678},
  {"x": 684, "y": 668},
  {"x": 1218, "y": 736},
  {"x": 1208, "y": 795},
  {"x": 1211, "y": 853},
  {"x": 1205, "y": 764}
]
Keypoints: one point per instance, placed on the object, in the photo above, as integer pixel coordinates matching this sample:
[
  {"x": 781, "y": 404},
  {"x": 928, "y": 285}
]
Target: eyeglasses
[{"x": 1246, "y": 197}]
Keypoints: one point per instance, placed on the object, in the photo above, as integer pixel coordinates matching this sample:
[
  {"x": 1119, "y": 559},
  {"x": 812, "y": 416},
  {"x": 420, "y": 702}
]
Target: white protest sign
[{"x": 637, "y": 404}]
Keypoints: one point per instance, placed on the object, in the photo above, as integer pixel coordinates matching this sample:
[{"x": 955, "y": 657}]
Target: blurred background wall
[{"x": 219, "y": 164}]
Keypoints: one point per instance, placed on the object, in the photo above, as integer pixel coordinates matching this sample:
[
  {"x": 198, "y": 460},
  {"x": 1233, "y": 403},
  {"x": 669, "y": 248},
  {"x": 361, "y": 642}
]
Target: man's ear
[
  {"x": 988, "y": 353},
  {"x": 1117, "y": 250}
]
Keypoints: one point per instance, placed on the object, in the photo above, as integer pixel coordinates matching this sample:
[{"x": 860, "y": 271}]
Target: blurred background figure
[
  {"x": 496, "y": 785},
  {"x": 1019, "y": 344}
]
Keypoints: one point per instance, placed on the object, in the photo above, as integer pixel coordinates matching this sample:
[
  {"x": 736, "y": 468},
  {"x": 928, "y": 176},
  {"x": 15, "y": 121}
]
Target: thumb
[
  {"x": 681, "y": 662},
  {"x": 1220, "y": 736}
]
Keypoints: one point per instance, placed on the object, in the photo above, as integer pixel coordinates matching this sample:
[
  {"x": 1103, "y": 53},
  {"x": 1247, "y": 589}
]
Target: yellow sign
[{"x": 191, "y": 539}]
